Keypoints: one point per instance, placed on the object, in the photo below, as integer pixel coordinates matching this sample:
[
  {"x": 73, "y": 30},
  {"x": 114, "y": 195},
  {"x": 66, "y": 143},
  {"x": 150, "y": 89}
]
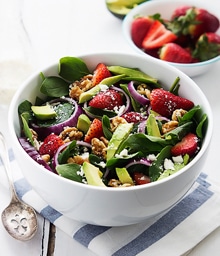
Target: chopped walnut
[
  {"x": 143, "y": 90},
  {"x": 116, "y": 121},
  {"x": 116, "y": 183},
  {"x": 46, "y": 158},
  {"x": 169, "y": 126},
  {"x": 178, "y": 113},
  {"x": 70, "y": 134},
  {"x": 99, "y": 146},
  {"x": 77, "y": 160},
  {"x": 81, "y": 86}
]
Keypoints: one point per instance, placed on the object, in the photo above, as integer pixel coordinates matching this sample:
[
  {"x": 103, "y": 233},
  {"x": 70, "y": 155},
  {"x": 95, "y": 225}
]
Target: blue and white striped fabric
[{"x": 173, "y": 233}]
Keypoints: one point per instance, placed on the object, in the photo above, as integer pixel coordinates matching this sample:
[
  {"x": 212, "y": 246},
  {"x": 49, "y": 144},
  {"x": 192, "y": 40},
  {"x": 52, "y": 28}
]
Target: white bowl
[
  {"x": 166, "y": 8},
  {"x": 111, "y": 206}
]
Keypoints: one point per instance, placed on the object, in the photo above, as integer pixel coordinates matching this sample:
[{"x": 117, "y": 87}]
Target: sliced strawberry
[
  {"x": 108, "y": 99},
  {"x": 101, "y": 72},
  {"x": 193, "y": 21},
  {"x": 173, "y": 52},
  {"x": 207, "y": 46},
  {"x": 157, "y": 36},
  {"x": 95, "y": 130},
  {"x": 139, "y": 28},
  {"x": 140, "y": 178},
  {"x": 188, "y": 145},
  {"x": 165, "y": 102},
  {"x": 133, "y": 117},
  {"x": 50, "y": 145}
]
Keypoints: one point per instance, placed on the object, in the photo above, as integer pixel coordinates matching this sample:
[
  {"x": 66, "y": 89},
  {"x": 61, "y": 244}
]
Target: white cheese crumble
[
  {"x": 168, "y": 164},
  {"x": 177, "y": 159},
  {"x": 103, "y": 87},
  {"x": 123, "y": 153},
  {"x": 151, "y": 157}
]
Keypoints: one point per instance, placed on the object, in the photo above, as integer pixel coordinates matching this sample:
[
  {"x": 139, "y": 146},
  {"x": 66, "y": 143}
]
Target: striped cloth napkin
[{"x": 172, "y": 233}]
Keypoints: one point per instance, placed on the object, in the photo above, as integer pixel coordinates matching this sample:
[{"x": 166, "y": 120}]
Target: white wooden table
[{"x": 36, "y": 33}]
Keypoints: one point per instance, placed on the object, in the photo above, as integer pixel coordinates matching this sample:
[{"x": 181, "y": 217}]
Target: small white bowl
[
  {"x": 104, "y": 205},
  {"x": 166, "y": 8}
]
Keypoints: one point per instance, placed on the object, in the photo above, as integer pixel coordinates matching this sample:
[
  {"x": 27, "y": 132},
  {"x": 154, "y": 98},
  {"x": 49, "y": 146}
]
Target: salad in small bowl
[{"x": 106, "y": 132}]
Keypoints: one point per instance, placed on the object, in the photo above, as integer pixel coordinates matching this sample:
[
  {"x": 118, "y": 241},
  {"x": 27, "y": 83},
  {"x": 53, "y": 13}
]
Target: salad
[{"x": 113, "y": 126}]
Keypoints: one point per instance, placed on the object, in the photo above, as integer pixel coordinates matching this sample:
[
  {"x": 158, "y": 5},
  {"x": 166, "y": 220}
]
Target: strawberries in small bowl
[{"x": 185, "y": 33}]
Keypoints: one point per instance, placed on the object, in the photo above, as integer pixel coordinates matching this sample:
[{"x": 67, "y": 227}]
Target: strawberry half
[
  {"x": 133, "y": 117},
  {"x": 95, "y": 130},
  {"x": 173, "y": 52},
  {"x": 101, "y": 72},
  {"x": 165, "y": 102},
  {"x": 50, "y": 145},
  {"x": 157, "y": 36},
  {"x": 139, "y": 29},
  {"x": 188, "y": 145},
  {"x": 108, "y": 99},
  {"x": 207, "y": 46}
]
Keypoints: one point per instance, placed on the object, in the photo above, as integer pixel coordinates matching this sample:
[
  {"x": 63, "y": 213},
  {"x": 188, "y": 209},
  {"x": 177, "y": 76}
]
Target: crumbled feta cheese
[
  {"x": 102, "y": 164},
  {"x": 177, "y": 159},
  {"x": 151, "y": 157},
  {"x": 103, "y": 87},
  {"x": 80, "y": 172},
  {"x": 168, "y": 164},
  {"x": 123, "y": 153}
]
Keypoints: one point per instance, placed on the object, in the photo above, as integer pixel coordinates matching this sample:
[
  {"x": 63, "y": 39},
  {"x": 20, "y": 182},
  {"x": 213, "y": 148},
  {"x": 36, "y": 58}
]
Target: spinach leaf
[
  {"x": 142, "y": 143},
  {"x": 99, "y": 113},
  {"x": 200, "y": 127},
  {"x": 54, "y": 86},
  {"x": 106, "y": 127},
  {"x": 70, "y": 171},
  {"x": 26, "y": 129},
  {"x": 72, "y": 68},
  {"x": 156, "y": 168},
  {"x": 67, "y": 152},
  {"x": 25, "y": 106}
]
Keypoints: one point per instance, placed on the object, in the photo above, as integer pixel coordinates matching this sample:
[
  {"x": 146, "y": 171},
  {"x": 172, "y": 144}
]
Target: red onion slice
[
  {"x": 137, "y": 96},
  {"x": 58, "y": 128}
]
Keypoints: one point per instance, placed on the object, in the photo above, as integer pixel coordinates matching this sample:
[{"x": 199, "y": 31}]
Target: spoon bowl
[{"x": 18, "y": 218}]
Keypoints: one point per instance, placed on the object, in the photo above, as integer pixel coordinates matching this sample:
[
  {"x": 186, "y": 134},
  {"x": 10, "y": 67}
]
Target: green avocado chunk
[
  {"x": 92, "y": 174},
  {"x": 121, "y": 133},
  {"x": 44, "y": 112},
  {"x": 152, "y": 127},
  {"x": 124, "y": 176},
  {"x": 83, "y": 123}
]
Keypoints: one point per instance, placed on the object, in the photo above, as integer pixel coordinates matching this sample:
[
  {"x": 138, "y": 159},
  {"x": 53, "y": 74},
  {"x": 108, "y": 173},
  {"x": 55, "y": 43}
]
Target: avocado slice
[
  {"x": 83, "y": 123},
  {"x": 43, "y": 112},
  {"x": 121, "y": 133},
  {"x": 124, "y": 176},
  {"x": 92, "y": 174},
  {"x": 105, "y": 83},
  {"x": 152, "y": 127}
]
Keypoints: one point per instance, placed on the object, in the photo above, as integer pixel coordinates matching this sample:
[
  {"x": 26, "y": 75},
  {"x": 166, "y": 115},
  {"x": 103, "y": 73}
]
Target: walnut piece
[
  {"x": 77, "y": 160},
  {"x": 169, "y": 126},
  {"x": 78, "y": 87},
  {"x": 178, "y": 113},
  {"x": 99, "y": 146},
  {"x": 70, "y": 134},
  {"x": 116, "y": 121}
]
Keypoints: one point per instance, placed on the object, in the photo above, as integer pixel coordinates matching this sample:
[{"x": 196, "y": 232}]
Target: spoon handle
[{"x": 5, "y": 160}]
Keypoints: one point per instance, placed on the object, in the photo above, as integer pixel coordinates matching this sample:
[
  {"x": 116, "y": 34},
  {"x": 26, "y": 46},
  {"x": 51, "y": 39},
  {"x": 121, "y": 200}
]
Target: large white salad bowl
[{"x": 111, "y": 206}]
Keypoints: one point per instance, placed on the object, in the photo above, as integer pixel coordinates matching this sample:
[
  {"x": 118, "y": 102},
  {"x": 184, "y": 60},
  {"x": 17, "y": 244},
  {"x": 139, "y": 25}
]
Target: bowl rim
[
  {"x": 54, "y": 65},
  {"x": 137, "y": 10}
]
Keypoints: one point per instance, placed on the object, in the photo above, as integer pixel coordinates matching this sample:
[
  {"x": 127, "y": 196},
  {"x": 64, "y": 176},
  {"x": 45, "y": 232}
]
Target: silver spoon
[{"x": 18, "y": 218}]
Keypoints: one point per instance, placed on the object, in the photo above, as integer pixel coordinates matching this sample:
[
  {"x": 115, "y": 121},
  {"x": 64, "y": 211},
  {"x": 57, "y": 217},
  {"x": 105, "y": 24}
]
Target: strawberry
[
  {"x": 108, "y": 99},
  {"x": 101, "y": 72},
  {"x": 157, "y": 36},
  {"x": 140, "y": 178},
  {"x": 173, "y": 52},
  {"x": 95, "y": 130},
  {"x": 165, "y": 102},
  {"x": 133, "y": 117},
  {"x": 188, "y": 145},
  {"x": 139, "y": 28},
  {"x": 193, "y": 21},
  {"x": 50, "y": 145},
  {"x": 207, "y": 46}
]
